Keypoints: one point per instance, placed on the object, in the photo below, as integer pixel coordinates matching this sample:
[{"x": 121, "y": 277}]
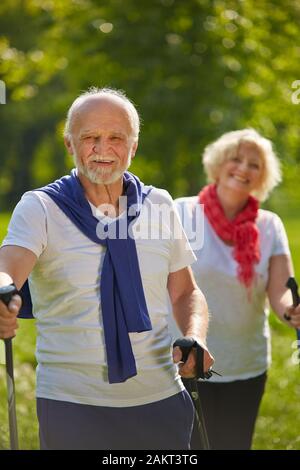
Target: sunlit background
[{"x": 195, "y": 69}]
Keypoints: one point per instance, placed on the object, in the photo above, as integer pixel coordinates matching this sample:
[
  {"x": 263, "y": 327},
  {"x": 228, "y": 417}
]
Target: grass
[{"x": 278, "y": 425}]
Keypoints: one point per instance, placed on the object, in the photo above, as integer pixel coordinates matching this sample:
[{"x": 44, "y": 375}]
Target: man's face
[{"x": 102, "y": 140}]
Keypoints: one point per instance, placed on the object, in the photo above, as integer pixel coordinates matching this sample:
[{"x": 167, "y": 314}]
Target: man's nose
[{"x": 100, "y": 145}]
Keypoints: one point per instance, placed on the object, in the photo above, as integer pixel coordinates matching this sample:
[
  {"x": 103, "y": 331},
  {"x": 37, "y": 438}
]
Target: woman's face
[{"x": 243, "y": 171}]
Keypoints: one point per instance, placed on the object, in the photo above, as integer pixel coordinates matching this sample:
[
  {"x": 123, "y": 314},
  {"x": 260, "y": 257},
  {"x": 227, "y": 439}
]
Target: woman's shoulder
[
  {"x": 265, "y": 214},
  {"x": 267, "y": 217}
]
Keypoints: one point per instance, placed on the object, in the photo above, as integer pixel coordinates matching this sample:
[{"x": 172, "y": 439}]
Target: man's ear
[
  {"x": 134, "y": 149},
  {"x": 68, "y": 145}
]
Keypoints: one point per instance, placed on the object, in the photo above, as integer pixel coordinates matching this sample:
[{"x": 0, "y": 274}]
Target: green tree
[{"x": 195, "y": 69}]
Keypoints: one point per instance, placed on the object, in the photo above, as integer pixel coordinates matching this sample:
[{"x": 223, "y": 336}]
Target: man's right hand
[
  {"x": 8, "y": 317},
  {"x": 16, "y": 264}
]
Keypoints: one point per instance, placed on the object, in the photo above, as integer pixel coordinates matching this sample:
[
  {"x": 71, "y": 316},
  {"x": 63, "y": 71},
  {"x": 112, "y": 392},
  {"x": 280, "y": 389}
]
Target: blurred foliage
[
  {"x": 195, "y": 69},
  {"x": 278, "y": 426}
]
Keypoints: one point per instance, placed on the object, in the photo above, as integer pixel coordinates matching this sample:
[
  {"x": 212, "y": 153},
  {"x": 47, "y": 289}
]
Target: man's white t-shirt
[
  {"x": 65, "y": 290},
  {"x": 238, "y": 334}
]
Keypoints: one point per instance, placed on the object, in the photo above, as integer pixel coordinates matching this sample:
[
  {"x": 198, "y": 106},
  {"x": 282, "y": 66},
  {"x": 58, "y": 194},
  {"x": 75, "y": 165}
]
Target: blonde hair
[
  {"x": 106, "y": 92},
  {"x": 227, "y": 145}
]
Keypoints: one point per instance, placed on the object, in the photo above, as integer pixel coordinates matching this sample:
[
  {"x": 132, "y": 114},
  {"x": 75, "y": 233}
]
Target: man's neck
[{"x": 99, "y": 194}]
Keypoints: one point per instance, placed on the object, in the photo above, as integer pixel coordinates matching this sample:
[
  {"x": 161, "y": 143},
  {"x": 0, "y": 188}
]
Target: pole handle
[
  {"x": 293, "y": 286},
  {"x": 186, "y": 344}
]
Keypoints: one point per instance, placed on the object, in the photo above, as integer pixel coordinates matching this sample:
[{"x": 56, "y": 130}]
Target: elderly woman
[{"x": 244, "y": 260}]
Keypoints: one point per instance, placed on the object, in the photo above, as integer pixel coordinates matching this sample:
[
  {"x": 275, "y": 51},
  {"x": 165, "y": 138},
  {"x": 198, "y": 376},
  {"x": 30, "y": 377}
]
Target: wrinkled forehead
[{"x": 94, "y": 110}]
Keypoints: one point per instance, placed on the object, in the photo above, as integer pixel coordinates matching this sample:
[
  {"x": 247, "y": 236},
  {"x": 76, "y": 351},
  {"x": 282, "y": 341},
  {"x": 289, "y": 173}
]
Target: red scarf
[{"x": 242, "y": 231}]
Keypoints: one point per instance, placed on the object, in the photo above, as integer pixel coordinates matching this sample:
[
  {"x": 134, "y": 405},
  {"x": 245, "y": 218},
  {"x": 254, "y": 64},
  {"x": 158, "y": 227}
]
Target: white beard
[{"x": 101, "y": 175}]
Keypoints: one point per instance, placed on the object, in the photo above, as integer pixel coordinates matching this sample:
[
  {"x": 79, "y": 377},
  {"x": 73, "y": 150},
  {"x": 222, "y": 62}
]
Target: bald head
[{"x": 103, "y": 97}]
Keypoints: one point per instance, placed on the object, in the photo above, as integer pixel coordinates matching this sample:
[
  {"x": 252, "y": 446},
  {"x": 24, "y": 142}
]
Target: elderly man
[{"x": 106, "y": 378}]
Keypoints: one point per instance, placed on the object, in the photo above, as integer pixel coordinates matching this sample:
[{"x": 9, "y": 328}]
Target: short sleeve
[
  {"x": 27, "y": 227},
  {"x": 181, "y": 252},
  {"x": 280, "y": 240}
]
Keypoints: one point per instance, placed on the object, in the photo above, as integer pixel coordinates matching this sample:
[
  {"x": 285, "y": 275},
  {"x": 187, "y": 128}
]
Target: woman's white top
[{"x": 238, "y": 335}]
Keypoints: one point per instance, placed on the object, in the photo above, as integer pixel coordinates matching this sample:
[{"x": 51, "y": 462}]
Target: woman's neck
[{"x": 231, "y": 202}]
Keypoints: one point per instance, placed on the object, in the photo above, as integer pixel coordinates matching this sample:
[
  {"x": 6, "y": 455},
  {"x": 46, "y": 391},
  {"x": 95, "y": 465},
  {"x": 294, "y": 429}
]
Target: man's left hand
[{"x": 187, "y": 370}]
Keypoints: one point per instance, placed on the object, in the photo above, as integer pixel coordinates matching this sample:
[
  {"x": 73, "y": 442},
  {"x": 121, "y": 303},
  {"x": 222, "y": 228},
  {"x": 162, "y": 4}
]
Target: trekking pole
[
  {"x": 292, "y": 284},
  {"x": 6, "y": 294},
  {"x": 186, "y": 344},
  {"x": 192, "y": 388}
]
